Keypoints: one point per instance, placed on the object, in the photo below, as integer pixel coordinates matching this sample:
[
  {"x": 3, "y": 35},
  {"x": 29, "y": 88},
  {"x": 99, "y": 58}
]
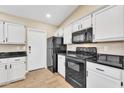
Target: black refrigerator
[{"x": 54, "y": 46}]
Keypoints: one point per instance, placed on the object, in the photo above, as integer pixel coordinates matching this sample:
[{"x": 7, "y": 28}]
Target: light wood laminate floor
[{"x": 40, "y": 79}]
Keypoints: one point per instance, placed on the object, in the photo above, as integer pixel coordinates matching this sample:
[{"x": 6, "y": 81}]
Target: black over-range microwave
[{"x": 83, "y": 36}]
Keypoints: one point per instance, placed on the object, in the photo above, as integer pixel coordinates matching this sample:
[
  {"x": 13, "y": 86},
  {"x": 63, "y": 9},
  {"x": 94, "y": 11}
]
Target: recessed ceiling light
[{"x": 48, "y": 15}]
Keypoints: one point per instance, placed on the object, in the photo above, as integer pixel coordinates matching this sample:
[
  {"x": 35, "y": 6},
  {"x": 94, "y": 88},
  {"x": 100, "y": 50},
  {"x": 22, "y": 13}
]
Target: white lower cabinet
[
  {"x": 12, "y": 69},
  {"x": 16, "y": 71},
  {"x": 100, "y": 76},
  {"x": 61, "y": 65},
  {"x": 3, "y": 73},
  {"x": 96, "y": 80}
]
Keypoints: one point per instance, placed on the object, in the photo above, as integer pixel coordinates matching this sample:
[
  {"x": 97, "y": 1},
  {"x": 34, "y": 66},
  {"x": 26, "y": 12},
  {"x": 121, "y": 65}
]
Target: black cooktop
[
  {"x": 80, "y": 56},
  {"x": 83, "y": 53},
  {"x": 90, "y": 54}
]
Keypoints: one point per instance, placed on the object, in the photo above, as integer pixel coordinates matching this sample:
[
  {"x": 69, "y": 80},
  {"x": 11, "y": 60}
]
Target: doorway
[{"x": 36, "y": 49}]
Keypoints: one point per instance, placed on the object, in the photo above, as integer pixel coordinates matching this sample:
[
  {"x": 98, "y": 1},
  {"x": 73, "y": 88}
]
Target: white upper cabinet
[
  {"x": 86, "y": 22},
  {"x": 76, "y": 26},
  {"x": 68, "y": 34},
  {"x": 1, "y": 32},
  {"x": 15, "y": 33},
  {"x": 108, "y": 24},
  {"x": 59, "y": 33},
  {"x": 83, "y": 23}
]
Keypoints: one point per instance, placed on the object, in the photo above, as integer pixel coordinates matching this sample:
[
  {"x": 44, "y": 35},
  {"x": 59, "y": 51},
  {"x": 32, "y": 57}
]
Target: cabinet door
[
  {"x": 59, "y": 33},
  {"x": 3, "y": 73},
  {"x": 96, "y": 80},
  {"x": 15, "y": 33},
  {"x": 68, "y": 34},
  {"x": 16, "y": 71},
  {"x": 76, "y": 26},
  {"x": 108, "y": 24},
  {"x": 61, "y": 65},
  {"x": 86, "y": 22},
  {"x": 1, "y": 32}
]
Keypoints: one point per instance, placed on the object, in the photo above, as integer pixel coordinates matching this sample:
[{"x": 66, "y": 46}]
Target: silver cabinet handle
[
  {"x": 10, "y": 66},
  {"x": 29, "y": 47},
  {"x": 5, "y": 66},
  {"x": 100, "y": 69},
  {"x": 6, "y": 39}
]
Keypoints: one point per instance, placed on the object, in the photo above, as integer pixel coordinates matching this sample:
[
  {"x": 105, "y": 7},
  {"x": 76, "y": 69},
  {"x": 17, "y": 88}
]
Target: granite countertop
[
  {"x": 106, "y": 63},
  {"x": 12, "y": 54}
]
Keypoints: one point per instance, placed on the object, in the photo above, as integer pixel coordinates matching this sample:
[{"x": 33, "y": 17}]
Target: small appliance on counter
[
  {"x": 54, "y": 46},
  {"x": 76, "y": 65}
]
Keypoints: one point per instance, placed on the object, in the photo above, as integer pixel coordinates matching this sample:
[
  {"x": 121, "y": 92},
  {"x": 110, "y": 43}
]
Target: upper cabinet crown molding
[{"x": 12, "y": 33}]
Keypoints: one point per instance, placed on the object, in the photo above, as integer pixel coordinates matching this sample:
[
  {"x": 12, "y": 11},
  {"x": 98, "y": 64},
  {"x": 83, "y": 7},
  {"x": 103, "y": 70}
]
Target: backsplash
[
  {"x": 12, "y": 48},
  {"x": 115, "y": 48}
]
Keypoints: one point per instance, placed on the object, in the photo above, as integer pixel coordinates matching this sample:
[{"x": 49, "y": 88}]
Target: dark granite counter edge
[{"x": 93, "y": 61}]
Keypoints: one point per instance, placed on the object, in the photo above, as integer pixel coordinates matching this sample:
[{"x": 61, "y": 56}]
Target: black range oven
[
  {"x": 76, "y": 72},
  {"x": 76, "y": 66}
]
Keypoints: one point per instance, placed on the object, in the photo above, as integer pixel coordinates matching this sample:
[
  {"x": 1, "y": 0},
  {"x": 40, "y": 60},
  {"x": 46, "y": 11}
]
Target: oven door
[{"x": 76, "y": 72}]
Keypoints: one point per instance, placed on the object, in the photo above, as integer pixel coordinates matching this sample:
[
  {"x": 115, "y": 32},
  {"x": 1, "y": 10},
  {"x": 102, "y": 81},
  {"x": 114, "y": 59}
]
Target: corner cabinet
[
  {"x": 15, "y": 33},
  {"x": 108, "y": 24},
  {"x": 68, "y": 34}
]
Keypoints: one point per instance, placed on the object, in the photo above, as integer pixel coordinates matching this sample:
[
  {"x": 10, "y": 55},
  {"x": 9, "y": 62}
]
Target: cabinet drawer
[
  {"x": 61, "y": 58},
  {"x": 106, "y": 70},
  {"x": 17, "y": 59},
  {"x": 3, "y": 61}
]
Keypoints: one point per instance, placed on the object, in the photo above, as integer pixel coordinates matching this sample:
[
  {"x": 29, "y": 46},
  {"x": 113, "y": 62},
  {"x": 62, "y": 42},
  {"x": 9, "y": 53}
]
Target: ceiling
[{"x": 38, "y": 12}]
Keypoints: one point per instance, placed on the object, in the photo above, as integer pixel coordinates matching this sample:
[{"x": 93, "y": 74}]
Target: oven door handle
[{"x": 77, "y": 60}]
